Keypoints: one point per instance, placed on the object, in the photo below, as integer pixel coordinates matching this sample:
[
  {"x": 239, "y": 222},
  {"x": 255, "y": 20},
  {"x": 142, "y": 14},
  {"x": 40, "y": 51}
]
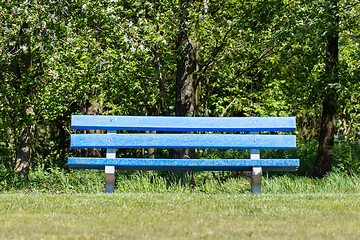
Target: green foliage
[
  {"x": 347, "y": 156},
  {"x": 259, "y": 58}
]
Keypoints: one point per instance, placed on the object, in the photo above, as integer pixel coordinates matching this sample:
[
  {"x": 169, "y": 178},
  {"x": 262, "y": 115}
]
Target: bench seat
[{"x": 184, "y": 164}]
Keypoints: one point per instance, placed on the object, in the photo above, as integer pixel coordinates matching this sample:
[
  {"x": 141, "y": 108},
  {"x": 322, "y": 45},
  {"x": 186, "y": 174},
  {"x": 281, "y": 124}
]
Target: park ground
[{"x": 288, "y": 208}]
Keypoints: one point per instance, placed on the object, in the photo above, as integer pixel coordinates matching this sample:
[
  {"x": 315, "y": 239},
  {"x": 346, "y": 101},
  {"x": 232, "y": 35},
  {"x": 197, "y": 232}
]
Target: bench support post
[
  {"x": 256, "y": 172},
  {"x": 110, "y": 170},
  {"x": 109, "y": 179},
  {"x": 256, "y": 175}
]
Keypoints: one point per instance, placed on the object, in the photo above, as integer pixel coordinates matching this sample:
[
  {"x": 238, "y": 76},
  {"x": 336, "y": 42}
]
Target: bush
[{"x": 347, "y": 156}]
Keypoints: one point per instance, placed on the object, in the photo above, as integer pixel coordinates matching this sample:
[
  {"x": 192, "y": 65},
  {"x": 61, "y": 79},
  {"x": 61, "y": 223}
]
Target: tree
[
  {"x": 186, "y": 81},
  {"x": 330, "y": 103},
  {"x": 186, "y": 58},
  {"x": 22, "y": 68}
]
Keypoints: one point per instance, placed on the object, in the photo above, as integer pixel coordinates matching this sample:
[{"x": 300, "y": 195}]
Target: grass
[
  {"x": 179, "y": 216},
  {"x": 56, "y": 181},
  {"x": 61, "y": 205}
]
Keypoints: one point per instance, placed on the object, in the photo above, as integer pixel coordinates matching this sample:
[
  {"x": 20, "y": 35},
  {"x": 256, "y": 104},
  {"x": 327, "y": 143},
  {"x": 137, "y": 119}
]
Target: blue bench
[{"x": 184, "y": 132}]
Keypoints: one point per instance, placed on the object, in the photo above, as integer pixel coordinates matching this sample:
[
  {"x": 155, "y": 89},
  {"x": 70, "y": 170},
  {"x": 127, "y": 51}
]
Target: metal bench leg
[
  {"x": 110, "y": 170},
  {"x": 109, "y": 179},
  {"x": 256, "y": 171},
  {"x": 256, "y": 180}
]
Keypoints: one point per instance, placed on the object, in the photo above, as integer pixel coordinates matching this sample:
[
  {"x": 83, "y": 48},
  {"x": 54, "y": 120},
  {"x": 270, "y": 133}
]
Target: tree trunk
[
  {"x": 185, "y": 104},
  {"x": 93, "y": 107},
  {"x": 21, "y": 64},
  {"x": 326, "y": 140},
  {"x": 186, "y": 66},
  {"x": 23, "y": 151},
  {"x": 328, "y": 120}
]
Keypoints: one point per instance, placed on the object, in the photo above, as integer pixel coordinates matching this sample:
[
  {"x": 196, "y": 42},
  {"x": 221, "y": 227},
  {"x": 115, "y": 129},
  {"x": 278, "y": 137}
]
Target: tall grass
[
  {"x": 334, "y": 182},
  {"x": 56, "y": 181}
]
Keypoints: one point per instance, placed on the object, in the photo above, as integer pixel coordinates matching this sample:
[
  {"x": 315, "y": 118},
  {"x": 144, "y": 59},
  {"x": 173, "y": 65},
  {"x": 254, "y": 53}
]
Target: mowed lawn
[{"x": 180, "y": 216}]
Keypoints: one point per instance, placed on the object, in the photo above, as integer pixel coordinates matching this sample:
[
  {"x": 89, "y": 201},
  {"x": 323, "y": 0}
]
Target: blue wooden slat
[
  {"x": 157, "y": 123},
  {"x": 248, "y": 141},
  {"x": 184, "y": 164}
]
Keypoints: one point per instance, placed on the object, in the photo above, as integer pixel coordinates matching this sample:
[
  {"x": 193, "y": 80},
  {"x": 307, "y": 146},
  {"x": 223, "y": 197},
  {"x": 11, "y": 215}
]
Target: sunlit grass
[
  {"x": 179, "y": 216},
  {"x": 146, "y": 205}
]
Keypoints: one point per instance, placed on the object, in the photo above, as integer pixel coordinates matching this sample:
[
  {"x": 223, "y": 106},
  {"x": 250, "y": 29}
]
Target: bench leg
[
  {"x": 256, "y": 171},
  {"x": 110, "y": 170},
  {"x": 109, "y": 179},
  {"x": 256, "y": 179}
]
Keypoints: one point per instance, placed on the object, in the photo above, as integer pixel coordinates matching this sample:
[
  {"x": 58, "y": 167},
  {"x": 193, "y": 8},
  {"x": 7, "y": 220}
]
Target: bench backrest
[{"x": 186, "y": 126}]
